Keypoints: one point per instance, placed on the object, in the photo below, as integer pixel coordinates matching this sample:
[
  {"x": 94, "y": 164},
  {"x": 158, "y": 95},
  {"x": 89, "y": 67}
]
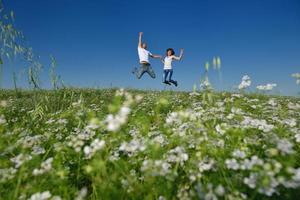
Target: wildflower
[
  {"x": 290, "y": 122},
  {"x": 45, "y": 167},
  {"x": 20, "y": 159},
  {"x": 284, "y": 146},
  {"x": 297, "y": 136},
  {"x": 267, "y": 87},
  {"x": 41, "y": 196},
  {"x": 81, "y": 194},
  {"x": 177, "y": 155},
  {"x": 256, "y": 123},
  {"x": 133, "y": 146},
  {"x": 249, "y": 164},
  {"x": 239, "y": 154},
  {"x": 115, "y": 122},
  {"x": 7, "y": 174},
  {"x": 220, "y": 130},
  {"x": 246, "y": 82},
  {"x": 2, "y": 119},
  {"x": 220, "y": 190},
  {"x": 3, "y": 103},
  {"x": 272, "y": 102},
  {"x": 206, "y": 164},
  {"x": 251, "y": 180},
  {"x": 37, "y": 150},
  {"x": 232, "y": 164},
  {"x": 95, "y": 146}
]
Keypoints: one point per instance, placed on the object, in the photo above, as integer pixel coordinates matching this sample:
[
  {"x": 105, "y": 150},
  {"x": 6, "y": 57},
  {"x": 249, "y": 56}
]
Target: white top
[
  {"x": 144, "y": 54},
  {"x": 168, "y": 62}
]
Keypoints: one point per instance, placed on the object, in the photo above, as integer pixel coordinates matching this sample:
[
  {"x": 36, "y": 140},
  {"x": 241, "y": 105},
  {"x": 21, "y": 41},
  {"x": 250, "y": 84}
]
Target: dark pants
[
  {"x": 145, "y": 67},
  {"x": 168, "y": 73}
]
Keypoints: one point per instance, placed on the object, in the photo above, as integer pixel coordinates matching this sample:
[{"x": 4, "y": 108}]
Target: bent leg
[
  {"x": 150, "y": 71},
  {"x": 140, "y": 72}
]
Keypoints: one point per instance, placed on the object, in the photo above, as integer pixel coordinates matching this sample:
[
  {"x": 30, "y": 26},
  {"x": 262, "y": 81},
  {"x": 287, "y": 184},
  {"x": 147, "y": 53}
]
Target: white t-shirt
[
  {"x": 144, "y": 54},
  {"x": 168, "y": 62}
]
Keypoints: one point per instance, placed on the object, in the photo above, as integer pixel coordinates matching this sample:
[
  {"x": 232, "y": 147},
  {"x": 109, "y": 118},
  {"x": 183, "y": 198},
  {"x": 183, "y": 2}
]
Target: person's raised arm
[
  {"x": 140, "y": 39},
  {"x": 180, "y": 56}
]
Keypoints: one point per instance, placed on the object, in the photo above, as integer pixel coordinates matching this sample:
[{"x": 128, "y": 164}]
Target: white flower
[
  {"x": 232, "y": 164},
  {"x": 156, "y": 167},
  {"x": 256, "y": 123},
  {"x": 249, "y": 164},
  {"x": 20, "y": 159},
  {"x": 114, "y": 123},
  {"x": 267, "y": 87},
  {"x": 220, "y": 130},
  {"x": 132, "y": 147},
  {"x": 246, "y": 82},
  {"x": 41, "y": 196},
  {"x": 95, "y": 146},
  {"x": 87, "y": 150},
  {"x": 284, "y": 146},
  {"x": 45, "y": 167},
  {"x": 172, "y": 117},
  {"x": 2, "y": 119},
  {"x": 251, "y": 180},
  {"x": 272, "y": 102},
  {"x": 219, "y": 190},
  {"x": 81, "y": 194},
  {"x": 205, "y": 84},
  {"x": 3, "y": 103},
  {"x": 296, "y": 75},
  {"x": 36, "y": 150},
  {"x": 7, "y": 174},
  {"x": 206, "y": 164},
  {"x": 177, "y": 155},
  {"x": 239, "y": 154},
  {"x": 297, "y": 136},
  {"x": 290, "y": 122}
]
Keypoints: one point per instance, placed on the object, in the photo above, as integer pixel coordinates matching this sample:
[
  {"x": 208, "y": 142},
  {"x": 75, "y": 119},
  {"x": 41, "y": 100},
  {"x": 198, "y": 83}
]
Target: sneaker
[
  {"x": 174, "y": 82},
  {"x": 167, "y": 82}
]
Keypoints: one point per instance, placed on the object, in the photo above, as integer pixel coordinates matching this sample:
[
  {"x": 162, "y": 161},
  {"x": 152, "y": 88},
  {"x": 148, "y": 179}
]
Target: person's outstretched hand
[{"x": 140, "y": 33}]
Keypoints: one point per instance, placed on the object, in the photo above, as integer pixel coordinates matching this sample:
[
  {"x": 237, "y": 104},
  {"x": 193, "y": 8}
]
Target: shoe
[
  {"x": 167, "y": 82},
  {"x": 174, "y": 82}
]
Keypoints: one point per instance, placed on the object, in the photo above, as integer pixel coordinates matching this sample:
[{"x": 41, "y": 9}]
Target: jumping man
[{"x": 144, "y": 60}]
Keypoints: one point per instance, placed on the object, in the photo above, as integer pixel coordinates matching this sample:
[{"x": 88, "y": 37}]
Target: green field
[{"x": 128, "y": 144}]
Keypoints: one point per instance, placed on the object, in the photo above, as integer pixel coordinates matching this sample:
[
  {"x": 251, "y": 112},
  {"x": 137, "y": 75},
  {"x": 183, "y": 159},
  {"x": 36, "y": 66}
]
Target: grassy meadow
[{"x": 130, "y": 144}]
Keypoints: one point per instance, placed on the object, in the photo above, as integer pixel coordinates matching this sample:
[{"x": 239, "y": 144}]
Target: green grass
[{"x": 115, "y": 144}]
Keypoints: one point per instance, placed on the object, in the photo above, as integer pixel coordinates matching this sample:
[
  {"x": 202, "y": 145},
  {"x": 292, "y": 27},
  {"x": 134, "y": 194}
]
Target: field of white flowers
[{"x": 117, "y": 144}]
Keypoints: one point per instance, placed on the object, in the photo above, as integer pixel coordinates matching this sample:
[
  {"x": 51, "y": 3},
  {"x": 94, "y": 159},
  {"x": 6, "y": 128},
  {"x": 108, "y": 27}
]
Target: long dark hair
[{"x": 172, "y": 51}]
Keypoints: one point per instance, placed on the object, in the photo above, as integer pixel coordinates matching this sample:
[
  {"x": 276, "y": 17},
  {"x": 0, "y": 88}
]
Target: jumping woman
[{"x": 168, "y": 69}]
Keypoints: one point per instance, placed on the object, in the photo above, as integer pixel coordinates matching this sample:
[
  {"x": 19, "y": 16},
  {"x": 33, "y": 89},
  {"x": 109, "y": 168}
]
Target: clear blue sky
[{"x": 95, "y": 42}]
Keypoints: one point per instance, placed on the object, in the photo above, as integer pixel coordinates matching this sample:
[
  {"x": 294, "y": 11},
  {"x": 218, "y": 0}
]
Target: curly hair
[{"x": 172, "y": 51}]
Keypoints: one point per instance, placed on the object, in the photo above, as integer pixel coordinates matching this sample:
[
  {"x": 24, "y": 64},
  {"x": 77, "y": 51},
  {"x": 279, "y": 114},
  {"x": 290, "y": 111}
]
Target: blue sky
[{"x": 95, "y": 42}]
